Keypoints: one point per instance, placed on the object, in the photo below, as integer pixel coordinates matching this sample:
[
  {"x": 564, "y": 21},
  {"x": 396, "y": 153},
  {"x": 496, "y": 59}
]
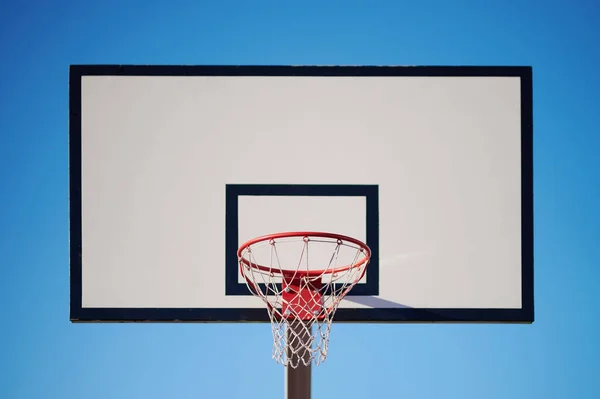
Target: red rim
[{"x": 304, "y": 234}]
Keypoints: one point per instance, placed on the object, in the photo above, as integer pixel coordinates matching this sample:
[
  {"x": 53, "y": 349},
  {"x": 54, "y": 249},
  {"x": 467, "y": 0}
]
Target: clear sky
[{"x": 45, "y": 356}]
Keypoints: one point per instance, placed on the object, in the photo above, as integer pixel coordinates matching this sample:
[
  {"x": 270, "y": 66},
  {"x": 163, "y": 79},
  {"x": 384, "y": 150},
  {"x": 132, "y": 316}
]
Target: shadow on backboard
[{"x": 374, "y": 302}]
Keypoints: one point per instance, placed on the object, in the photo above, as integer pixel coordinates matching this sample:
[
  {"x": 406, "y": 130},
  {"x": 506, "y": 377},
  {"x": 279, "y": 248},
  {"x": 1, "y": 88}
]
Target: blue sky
[{"x": 45, "y": 356}]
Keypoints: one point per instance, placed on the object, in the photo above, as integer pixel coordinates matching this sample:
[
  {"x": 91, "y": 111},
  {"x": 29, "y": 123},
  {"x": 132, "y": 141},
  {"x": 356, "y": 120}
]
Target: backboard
[{"x": 173, "y": 167}]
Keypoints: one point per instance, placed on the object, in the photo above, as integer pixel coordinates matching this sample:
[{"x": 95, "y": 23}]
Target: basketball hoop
[{"x": 302, "y": 277}]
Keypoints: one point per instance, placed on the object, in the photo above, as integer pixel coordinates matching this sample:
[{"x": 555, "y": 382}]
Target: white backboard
[{"x": 173, "y": 167}]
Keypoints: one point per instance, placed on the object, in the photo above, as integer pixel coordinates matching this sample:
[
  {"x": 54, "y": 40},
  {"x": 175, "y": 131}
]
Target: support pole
[{"x": 297, "y": 381}]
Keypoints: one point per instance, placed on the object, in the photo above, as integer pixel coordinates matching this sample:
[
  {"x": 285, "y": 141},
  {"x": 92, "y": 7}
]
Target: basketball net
[{"x": 302, "y": 299}]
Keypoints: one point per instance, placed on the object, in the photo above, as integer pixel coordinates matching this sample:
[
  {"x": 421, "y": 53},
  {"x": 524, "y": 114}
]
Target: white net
[{"x": 302, "y": 278}]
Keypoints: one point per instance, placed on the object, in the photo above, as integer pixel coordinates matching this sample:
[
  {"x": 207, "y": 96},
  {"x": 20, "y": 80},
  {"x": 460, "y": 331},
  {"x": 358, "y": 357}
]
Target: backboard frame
[{"x": 78, "y": 313}]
